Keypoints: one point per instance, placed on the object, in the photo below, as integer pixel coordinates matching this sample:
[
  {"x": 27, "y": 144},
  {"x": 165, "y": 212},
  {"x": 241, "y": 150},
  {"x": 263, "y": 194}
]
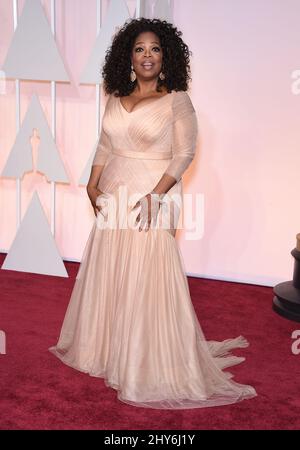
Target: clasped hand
[{"x": 150, "y": 205}]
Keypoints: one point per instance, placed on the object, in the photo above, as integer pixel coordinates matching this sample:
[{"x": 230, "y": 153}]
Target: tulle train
[{"x": 130, "y": 320}]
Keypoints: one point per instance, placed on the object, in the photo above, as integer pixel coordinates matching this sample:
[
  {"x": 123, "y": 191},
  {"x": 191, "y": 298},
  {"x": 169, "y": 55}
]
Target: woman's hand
[
  {"x": 93, "y": 194},
  {"x": 150, "y": 205}
]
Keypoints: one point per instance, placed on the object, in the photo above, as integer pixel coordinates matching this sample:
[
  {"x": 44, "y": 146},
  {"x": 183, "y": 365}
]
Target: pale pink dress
[{"x": 130, "y": 319}]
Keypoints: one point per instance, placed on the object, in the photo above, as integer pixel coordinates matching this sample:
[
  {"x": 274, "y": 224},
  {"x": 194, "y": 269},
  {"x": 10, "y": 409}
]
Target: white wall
[{"x": 248, "y": 158}]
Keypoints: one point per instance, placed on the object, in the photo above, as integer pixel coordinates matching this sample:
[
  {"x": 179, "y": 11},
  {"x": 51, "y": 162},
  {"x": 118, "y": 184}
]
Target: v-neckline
[{"x": 143, "y": 106}]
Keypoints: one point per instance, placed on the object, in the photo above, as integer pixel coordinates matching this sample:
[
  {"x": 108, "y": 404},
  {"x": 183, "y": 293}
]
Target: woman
[{"x": 130, "y": 319}]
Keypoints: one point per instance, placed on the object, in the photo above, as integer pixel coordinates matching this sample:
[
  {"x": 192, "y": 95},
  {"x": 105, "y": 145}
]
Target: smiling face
[{"x": 147, "y": 56}]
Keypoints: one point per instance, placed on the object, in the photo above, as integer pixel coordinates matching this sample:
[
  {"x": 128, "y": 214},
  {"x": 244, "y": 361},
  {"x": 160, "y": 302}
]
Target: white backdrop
[{"x": 248, "y": 156}]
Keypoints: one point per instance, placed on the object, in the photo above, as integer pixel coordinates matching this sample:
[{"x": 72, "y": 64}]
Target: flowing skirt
[{"x": 131, "y": 321}]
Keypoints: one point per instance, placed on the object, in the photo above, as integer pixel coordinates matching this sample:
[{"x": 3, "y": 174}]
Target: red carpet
[{"x": 39, "y": 392}]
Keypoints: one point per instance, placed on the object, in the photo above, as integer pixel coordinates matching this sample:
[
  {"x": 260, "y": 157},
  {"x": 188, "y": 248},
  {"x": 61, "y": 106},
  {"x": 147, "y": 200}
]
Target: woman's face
[{"x": 147, "y": 56}]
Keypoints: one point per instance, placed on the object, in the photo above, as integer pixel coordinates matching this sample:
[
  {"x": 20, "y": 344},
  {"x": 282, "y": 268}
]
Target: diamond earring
[
  {"x": 132, "y": 74},
  {"x": 162, "y": 76}
]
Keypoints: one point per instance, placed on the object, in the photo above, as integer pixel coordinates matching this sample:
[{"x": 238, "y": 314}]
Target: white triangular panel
[
  {"x": 146, "y": 8},
  {"x": 163, "y": 10},
  {"x": 116, "y": 15},
  {"x": 20, "y": 157},
  {"x": 34, "y": 249},
  {"x": 87, "y": 170},
  {"x": 33, "y": 54},
  {"x": 156, "y": 9}
]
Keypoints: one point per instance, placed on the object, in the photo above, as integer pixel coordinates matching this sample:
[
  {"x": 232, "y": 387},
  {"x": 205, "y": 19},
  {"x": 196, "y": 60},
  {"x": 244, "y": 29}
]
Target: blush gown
[{"x": 130, "y": 319}]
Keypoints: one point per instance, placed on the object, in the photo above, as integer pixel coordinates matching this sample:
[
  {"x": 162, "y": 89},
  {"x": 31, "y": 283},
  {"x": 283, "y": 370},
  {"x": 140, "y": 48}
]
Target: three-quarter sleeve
[
  {"x": 184, "y": 136},
  {"x": 103, "y": 149}
]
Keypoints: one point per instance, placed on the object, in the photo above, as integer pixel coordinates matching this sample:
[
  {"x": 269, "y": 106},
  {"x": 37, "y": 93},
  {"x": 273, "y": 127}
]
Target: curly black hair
[{"x": 175, "y": 64}]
